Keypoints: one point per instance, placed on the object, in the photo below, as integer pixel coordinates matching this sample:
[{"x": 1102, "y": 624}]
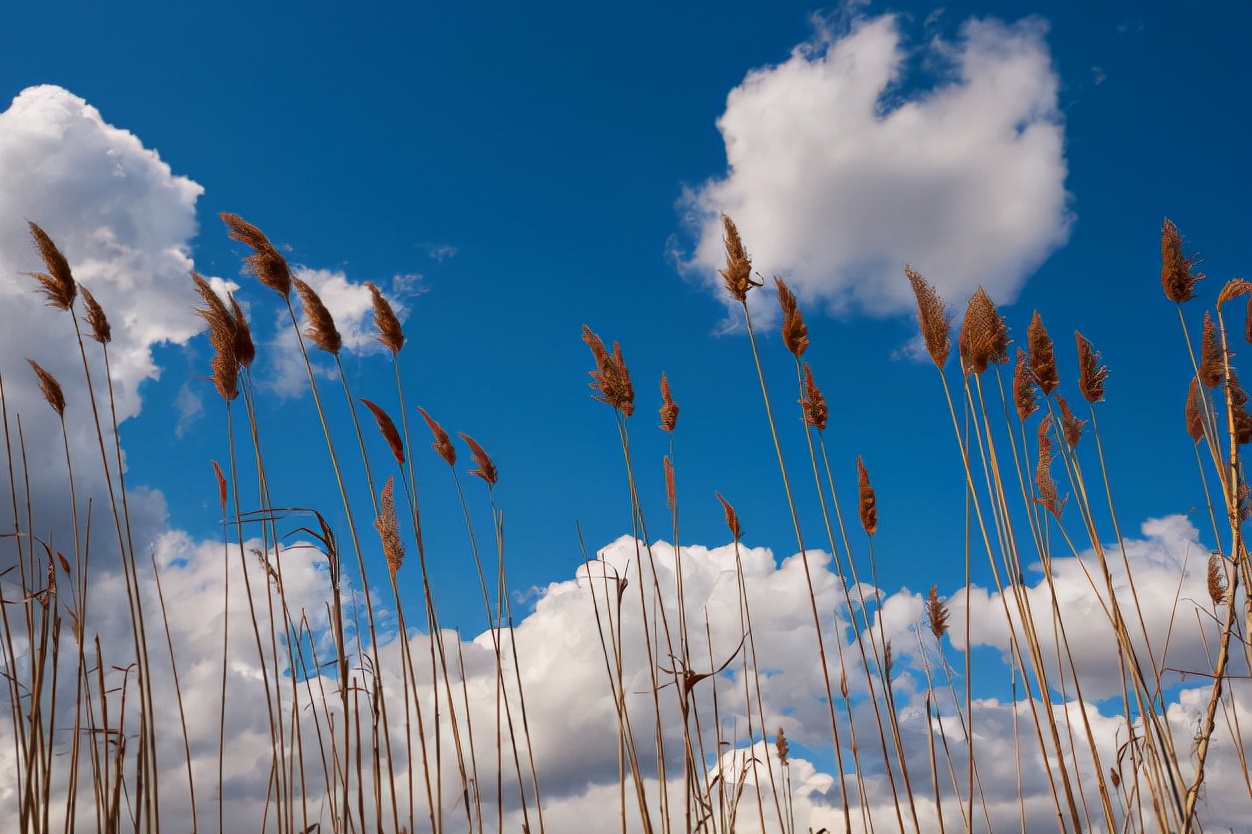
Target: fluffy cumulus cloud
[{"x": 842, "y": 167}]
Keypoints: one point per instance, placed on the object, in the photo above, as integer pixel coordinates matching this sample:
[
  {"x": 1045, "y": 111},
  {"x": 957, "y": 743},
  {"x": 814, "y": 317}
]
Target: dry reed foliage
[
  {"x": 1091, "y": 374},
  {"x": 95, "y": 318},
  {"x": 1177, "y": 275},
  {"x": 1195, "y": 411},
  {"x": 1044, "y": 483},
  {"x": 937, "y": 613},
  {"x": 58, "y": 284},
  {"x": 932, "y": 317},
  {"x": 1042, "y": 356},
  {"x": 816, "y": 413},
  {"x": 611, "y": 378},
  {"x": 738, "y": 272},
  {"x": 265, "y": 262},
  {"x": 1024, "y": 387},
  {"x": 443, "y": 443},
  {"x": 867, "y": 503},
  {"x": 1071, "y": 426},
  {"x": 669, "y": 408},
  {"x": 1212, "y": 363},
  {"x": 795, "y": 332},
  {"x": 390, "y": 334},
  {"x": 984, "y": 338},
  {"x": 671, "y": 494},
  {"x": 245, "y": 349},
  {"x": 388, "y": 429},
  {"x": 1217, "y": 578},
  {"x": 321, "y": 330},
  {"x": 484, "y": 467},
  {"x": 1238, "y": 399},
  {"x": 781, "y": 745},
  {"x": 50, "y": 388},
  {"x": 732, "y": 518},
  {"x": 388, "y": 527}
]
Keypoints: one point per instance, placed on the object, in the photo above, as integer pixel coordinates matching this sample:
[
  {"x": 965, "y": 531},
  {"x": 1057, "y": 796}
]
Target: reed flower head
[
  {"x": 321, "y": 330},
  {"x": 1071, "y": 426},
  {"x": 390, "y": 333},
  {"x": 816, "y": 412},
  {"x": 867, "y": 504},
  {"x": 58, "y": 284},
  {"x": 1195, "y": 411},
  {"x": 1238, "y": 401},
  {"x": 669, "y": 408},
  {"x": 265, "y": 262},
  {"x": 932, "y": 317},
  {"x": 610, "y": 379},
  {"x": 388, "y": 429},
  {"x": 1217, "y": 583},
  {"x": 1212, "y": 362},
  {"x": 781, "y": 745},
  {"x": 1042, "y": 356},
  {"x": 95, "y": 318},
  {"x": 1044, "y": 483},
  {"x": 222, "y": 337},
  {"x": 483, "y": 465},
  {"x": 795, "y": 332},
  {"x": 984, "y": 337},
  {"x": 50, "y": 388},
  {"x": 737, "y": 275},
  {"x": 1178, "y": 275},
  {"x": 1024, "y": 387},
  {"x": 388, "y": 527},
  {"x": 1091, "y": 374},
  {"x": 245, "y": 349},
  {"x": 732, "y": 518},
  {"x": 937, "y": 613},
  {"x": 443, "y": 443}
]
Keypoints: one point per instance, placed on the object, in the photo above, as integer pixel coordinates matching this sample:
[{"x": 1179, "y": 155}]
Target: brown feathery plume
[
  {"x": 1238, "y": 405},
  {"x": 59, "y": 286},
  {"x": 50, "y": 388},
  {"x": 1177, "y": 275},
  {"x": 1194, "y": 411},
  {"x": 1232, "y": 289},
  {"x": 732, "y": 518},
  {"x": 1217, "y": 578},
  {"x": 388, "y": 428},
  {"x": 1091, "y": 374},
  {"x": 221, "y": 485},
  {"x": 484, "y": 467},
  {"x": 390, "y": 334},
  {"x": 222, "y": 337},
  {"x": 1115, "y": 778},
  {"x": 95, "y": 318},
  {"x": 813, "y": 403},
  {"x": 937, "y": 612},
  {"x": 1071, "y": 426},
  {"x": 265, "y": 262},
  {"x": 215, "y": 312},
  {"x": 245, "y": 349},
  {"x": 669, "y": 408},
  {"x": 781, "y": 745},
  {"x": 388, "y": 527},
  {"x": 671, "y": 494},
  {"x": 1024, "y": 387},
  {"x": 795, "y": 332},
  {"x": 1043, "y": 473},
  {"x": 321, "y": 330},
  {"x": 1042, "y": 356},
  {"x": 932, "y": 317},
  {"x": 1212, "y": 366},
  {"x": 984, "y": 337},
  {"x": 867, "y": 505},
  {"x": 611, "y": 378},
  {"x": 443, "y": 443},
  {"x": 738, "y": 272}
]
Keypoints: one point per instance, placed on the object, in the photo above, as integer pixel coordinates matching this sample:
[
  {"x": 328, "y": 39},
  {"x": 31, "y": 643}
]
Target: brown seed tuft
[
  {"x": 1177, "y": 275},
  {"x": 245, "y": 349},
  {"x": 984, "y": 338},
  {"x": 443, "y": 443},
  {"x": 388, "y": 428},
  {"x": 669, "y": 408},
  {"x": 1024, "y": 387},
  {"x": 95, "y": 318},
  {"x": 1042, "y": 356},
  {"x": 1238, "y": 401},
  {"x": 932, "y": 317},
  {"x": 388, "y": 527},
  {"x": 321, "y": 330},
  {"x": 1115, "y": 778},
  {"x": 1232, "y": 289},
  {"x": 738, "y": 272},
  {"x": 222, "y": 338},
  {"x": 1043, "y": 473},
  {"x": 611, "y": 378},
  {"x": 59, "y": 286},
  {"x": 389, "y": 331},
  {"x": 265, "y": 262},
  {"x": 221, "y": 485},
  {"x": 867, "y": 505},
  {"x": 781, "y": 745},
  {"x": 50, "y": 388},
  {"x": 795, "y": 332},
  {"x": 816, "y": 413},
  {"x": 1212, "y": 364},
  {"x": 671, "y": 494},
  {"x": 732, "y": 518},
  {"x": 1071, "y": 426},
  {"x": 483, "y": 465},
  {"x": 1091, "y": 374},
  {"x": 937, "y": 612},
  {"x": 1195, "y": 411},
  {"x": 1217, "y": 583}
]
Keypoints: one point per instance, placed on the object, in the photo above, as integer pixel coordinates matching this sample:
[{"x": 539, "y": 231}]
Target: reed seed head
[
  {"x": 1091, "y": 374},
  {"x": 388, "y": 429},
  {"x": 867, "y": 503},
  {"x": 671, "y": 494},
  {"x": 781, "y": 745},
  {"x": 669, "y": 408},
  {"x": 222, "y": 337},
  {"x": 443, "y": 443},
  {"x": 1232, "y": 289},
  {"x": 738, "y": 272},
  {"x": 95, "y": 318},
  {"x": 483, "y": 465},
  {"x": 1212, "y": 362},
  {"x": 1044, "y": 483},
  {"x": 1042, "y": 356},
  {"x": 390, "y": 333},
  {"x": 1024, "y": 387},
  {"x": 610, "y": 379},
  {"x": 321, "y": 330},
  {"x": 58, "y": 284},
  {"x": 1195, "y": 411},
  {"x": 388, "y": 527},
  {"x": 1217, "y": 583},
  {"x": 245, "y": 349},
  {"x": 1178, "y": 276},
  {"x": 937, "y": 612},
  {"x": 795, "y": 332},
  {"x": 1071, "y": 426},
  {"x": 1238, "y": 401},
  {"x": 50, "y": 388},
  {"x": 816, "y": 413},
  {"x": 984, "y": 337},
  {"x": 732, "y": 518},
  {"x": 932, "y": 316},
  {"x": 265, "y": 262}
]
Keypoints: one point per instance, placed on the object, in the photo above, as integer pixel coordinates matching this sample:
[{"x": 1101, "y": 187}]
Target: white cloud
[{"x": 839, "y": 173}]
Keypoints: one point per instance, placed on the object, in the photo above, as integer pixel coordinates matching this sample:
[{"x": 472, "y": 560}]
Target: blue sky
[{"x": 509, "y": 172}]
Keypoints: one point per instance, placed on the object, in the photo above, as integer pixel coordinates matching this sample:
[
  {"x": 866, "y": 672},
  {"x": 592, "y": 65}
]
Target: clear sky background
[{"x": 509, "y": 172}]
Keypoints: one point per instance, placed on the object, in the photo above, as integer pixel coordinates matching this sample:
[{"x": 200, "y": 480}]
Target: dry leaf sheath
[
  {"x": 732, "y": 518},
  {"x": 610, "y": 379},
  {"x": 795, "y": 332},
  {"x": 1091, "y": 374},
  {"x": 737, "y": 275},
  {"x": 388, "y": 527},
  {"x": 265, "y": 262},
  {"x": 932, "y": 317},
  {"x": 867, "y": 504},
  {"x": 95, "y": 318},
  {"x": 816, "y": 412},
  {"x": 50, "y": 388},
  {"x": 671, "y": 493},
  {"x": 984, "y": 337},
  {"x": 669, "y": 408},
  {"x": 1024, "y": 387},
  {"x": 390, "y": 334},
  {"x": 321, "y": 329},
  {"x": 484, "y": 467},
  {"x": 58, "y": 283},
  {"x": 443, "y": 443},
  {"x": 1177, "y": 270},
  {"x": 388, "y": 429}
]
